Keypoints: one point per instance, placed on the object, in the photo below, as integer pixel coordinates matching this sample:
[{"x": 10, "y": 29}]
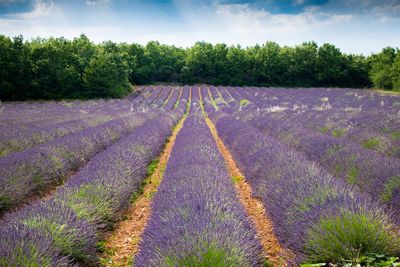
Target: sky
[{"x": 354, "y": 26}]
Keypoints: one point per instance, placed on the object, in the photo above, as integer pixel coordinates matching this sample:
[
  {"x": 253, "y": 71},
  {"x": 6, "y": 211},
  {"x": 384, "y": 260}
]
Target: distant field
[{"x": 202, "y": 176}]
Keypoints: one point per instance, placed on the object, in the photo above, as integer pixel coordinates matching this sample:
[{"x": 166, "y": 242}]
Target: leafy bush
[{"x": 349, "y": 235}]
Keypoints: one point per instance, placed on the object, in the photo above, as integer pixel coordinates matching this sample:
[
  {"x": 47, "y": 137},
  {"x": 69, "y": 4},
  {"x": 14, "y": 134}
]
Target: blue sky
[{"x": 355, "y": 26}]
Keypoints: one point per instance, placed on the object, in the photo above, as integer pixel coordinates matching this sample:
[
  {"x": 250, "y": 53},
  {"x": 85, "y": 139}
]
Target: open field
[{"x": 202, "y": 176}]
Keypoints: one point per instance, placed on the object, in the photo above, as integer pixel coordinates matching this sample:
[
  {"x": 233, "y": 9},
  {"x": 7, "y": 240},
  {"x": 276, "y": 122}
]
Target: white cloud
[
  {"x": 243, "y": 18},
  {"x": 387, "y": 13},
  {"x": 96, "y": 2},
  {"x": 298, "y": 2},
  {"x": 41, "y": 9}
]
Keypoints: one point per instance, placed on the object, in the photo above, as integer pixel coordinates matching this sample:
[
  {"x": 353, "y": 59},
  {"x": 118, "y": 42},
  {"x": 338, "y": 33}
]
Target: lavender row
[
  {"x": 16, "y": 135},
  {"x": 196, "y": 217},
  {"x": 168, "y": 98},
  {"x": 318, "y": 99},
  {"x": 209, "y": 106},
  {"x": 195, "y": 101},
  {"x": 141, "y": 102},
  {"x": 155, "y": 97},
  {"x": 316, "y": 215},
  {"x": 44, "y": 123},
  {"x": 361, "y": 116},
  {"x": 314, "y": 97},
  {"x": 224, "y": 99},
  {"x": 14, "y": 140},
  {"x": 180, "y": 96},
  {"x": 226, "y": 95},
  {"x": 33, "y": 170},
  {"x": 30, "y": 114},
  {"x": 63, "y": 230},
  {"x": 371, "y": 172},
  {"x": 173, "y": 98},
  {"x": 156, "y": 92},
  {"x": 219, "y": 99},
  {"x": 375, "y": 129},
  {"x": 220, "y": 96},
  {"x": 163, "y": 97},
  {"x": 185, "y": 99},
  {"x": 178, "y": 101}
]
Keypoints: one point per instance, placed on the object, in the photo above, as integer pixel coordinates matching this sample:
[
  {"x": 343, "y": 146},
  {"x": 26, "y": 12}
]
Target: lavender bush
[
  {"x": 33, "y": 124},
  {"x": 32, "y": 171},
  {"x": 65, "y": 228},
  {"x": 371, "y": 172},
  {"x": 196, "y": 217},
  {"x": 173, "y": 98},
  {"x": 362, "y": 116},
  {"x": 34, "y": 249},
  {"x": 314, "y": 214},
  {"x": 14, "y": 140}
]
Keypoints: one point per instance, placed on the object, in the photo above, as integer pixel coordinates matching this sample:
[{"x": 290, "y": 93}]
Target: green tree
[
  {"x": 395, "y": 73},
  {"x": 54, "y": 74},
  {"x": 381, "y": 65},
  {"x": 155, "y": 63},
  {"x": 15, "y": 69},
  {"x": 7, "y": 86},
  {"x": 142, "y": 73},
  {"x": 107, "y": 74},
  {"x": 237, "y": 66},
  {"x": 357, "y": 71},
  {"x": 267, "y": 65},
  {"x": 82, "y": 51},
  {"x": 199, "y": 63},
  {"x": 219, "y": 65},
  {"x": 331, "y": 66},
  {"x": 301, "y": 64},
  {"x": 165, "y": 62}
]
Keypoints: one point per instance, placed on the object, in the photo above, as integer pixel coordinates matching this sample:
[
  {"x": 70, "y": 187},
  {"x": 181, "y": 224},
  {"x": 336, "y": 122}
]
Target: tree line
[{"x": 58, "y": 68}]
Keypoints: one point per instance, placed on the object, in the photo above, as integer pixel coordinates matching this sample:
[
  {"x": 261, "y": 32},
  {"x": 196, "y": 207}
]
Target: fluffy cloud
[
  {"x": 97, "y": 2},
  {"x": 242, "y": 17},
  {"x": 41, "y": 8},
  {"x": 26, "y": 10}
]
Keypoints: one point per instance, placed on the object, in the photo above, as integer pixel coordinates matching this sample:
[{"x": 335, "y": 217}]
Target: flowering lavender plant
[
  {"x": 32, "y": 171},
  {"x": 196, "y": 217},
  {"x": 66, "y": 227},
  {"x": 315, "y": 214}
]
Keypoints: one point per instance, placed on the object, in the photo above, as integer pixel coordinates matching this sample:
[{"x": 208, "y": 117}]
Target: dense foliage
[{"x": 58, "y": 68}]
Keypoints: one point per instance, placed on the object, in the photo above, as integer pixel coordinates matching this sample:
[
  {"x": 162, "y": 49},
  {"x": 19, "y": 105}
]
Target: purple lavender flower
[
  {"x": 66, "y": 227},
  {"x": 196, "y": 217},
  {"x": 305, "y": 202},
  {"x": 32, "y": 171}
]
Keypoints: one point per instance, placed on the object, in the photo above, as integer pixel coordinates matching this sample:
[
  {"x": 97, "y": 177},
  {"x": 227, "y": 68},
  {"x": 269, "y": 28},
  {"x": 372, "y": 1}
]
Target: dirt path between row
[{"x": 275, "y": 253}]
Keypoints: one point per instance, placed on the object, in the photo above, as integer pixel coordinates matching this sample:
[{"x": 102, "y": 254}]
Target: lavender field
[{"x": 144, "y": 181}]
